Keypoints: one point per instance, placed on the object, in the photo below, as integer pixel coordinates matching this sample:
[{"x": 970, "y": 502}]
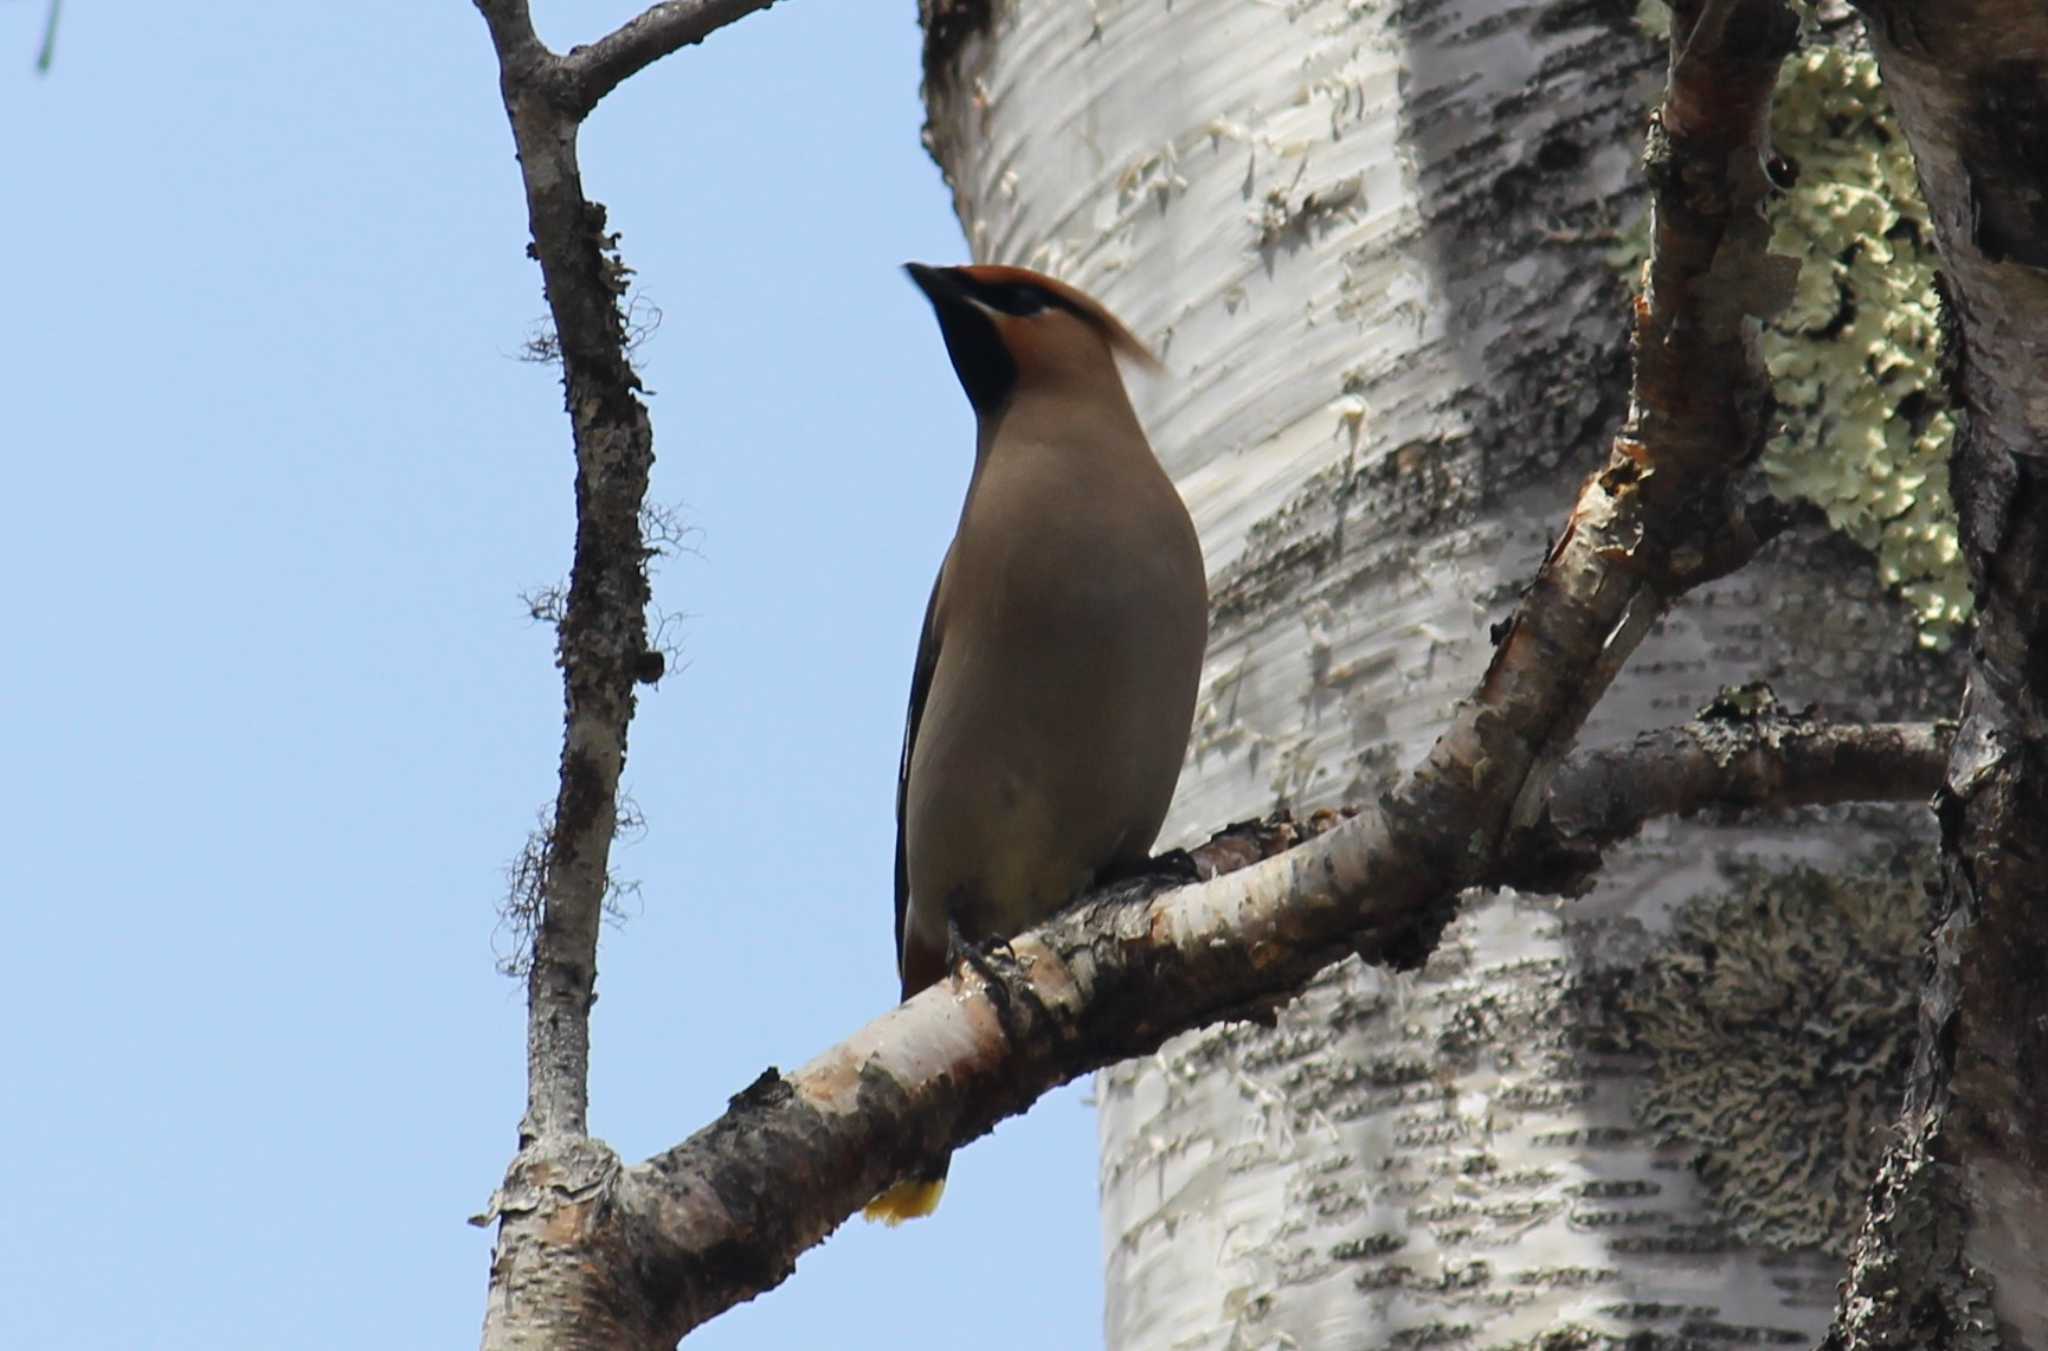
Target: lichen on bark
[
  {"x": 1779, "y": 1021},
  {"x": 1855, "y": 359}
]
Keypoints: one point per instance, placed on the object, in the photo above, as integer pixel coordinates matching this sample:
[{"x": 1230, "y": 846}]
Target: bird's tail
[{"x": 911, "y": 1199}]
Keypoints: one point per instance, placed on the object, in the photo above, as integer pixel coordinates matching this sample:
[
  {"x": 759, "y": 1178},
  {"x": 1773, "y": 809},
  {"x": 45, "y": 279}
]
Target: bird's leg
[{"x": 960, "y": 948}]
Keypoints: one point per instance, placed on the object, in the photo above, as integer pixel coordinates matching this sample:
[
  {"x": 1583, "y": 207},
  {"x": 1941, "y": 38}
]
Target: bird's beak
[
  {"x": 985, "y": 367},
  {"x": 953, "y": 298},
  {"x": 936, "y": 282}
]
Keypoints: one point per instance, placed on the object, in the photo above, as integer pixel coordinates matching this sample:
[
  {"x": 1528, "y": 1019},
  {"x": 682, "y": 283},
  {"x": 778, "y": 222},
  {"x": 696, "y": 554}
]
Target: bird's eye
[{"x": 1022, "y": 301}]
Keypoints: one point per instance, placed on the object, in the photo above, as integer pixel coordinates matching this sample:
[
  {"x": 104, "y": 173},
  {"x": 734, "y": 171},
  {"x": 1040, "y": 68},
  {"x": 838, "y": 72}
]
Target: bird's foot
[
  {"x": 960, "y": 949},
  {"x": 977, "y": 954}
]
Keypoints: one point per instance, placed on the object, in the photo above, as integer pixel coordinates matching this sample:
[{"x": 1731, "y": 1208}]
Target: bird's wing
[{"x": 920, "y": 686}]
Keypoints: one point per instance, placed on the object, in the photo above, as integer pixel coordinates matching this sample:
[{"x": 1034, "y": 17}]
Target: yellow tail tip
[{"x": 912, "y": 1200}]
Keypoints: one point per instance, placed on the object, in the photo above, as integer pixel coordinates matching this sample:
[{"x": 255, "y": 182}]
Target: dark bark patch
[
  {"x": 948, "y": 25},
  {"x": 2006, "y": 156}
]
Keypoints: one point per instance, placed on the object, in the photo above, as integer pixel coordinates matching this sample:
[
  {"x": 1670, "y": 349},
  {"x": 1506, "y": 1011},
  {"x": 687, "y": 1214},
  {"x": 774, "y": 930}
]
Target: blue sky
[{"x": 276, "y": 718}]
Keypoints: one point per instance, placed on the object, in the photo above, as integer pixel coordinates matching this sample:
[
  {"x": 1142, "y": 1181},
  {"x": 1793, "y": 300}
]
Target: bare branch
[
  {"x": 633, "y": 1257},
  {"x": 518, "y": 46},
  {"x": 546, "y": 604},
  {"x": 519, "y": 911},
  {"x": 1663, "y": 515},
  {"x": 601, "y": 67},
  {"x": 540, "y": 347},
  {"x": 561, "y": 888},
  {"x": 1736, "y": 756},
  {"x": 1606, "y": 796},
  {"x": 724, "y": 1215},
  {"x": 46, "y": 51},
  {"x": 643, "y": 319},
  {"x": 602, "y": 634}
]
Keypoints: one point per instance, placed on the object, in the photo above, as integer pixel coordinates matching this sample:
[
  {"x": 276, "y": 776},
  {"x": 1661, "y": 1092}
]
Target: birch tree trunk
[{"x": 1383, "y": 249}]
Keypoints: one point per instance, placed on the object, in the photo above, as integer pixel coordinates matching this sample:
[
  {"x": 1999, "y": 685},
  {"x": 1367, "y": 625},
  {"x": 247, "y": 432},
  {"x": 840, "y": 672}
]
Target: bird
[{"x": 1061, "y": 650}]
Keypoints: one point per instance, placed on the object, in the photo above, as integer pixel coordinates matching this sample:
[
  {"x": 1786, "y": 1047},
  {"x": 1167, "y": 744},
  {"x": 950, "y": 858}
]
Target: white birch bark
[{"x": 1376, "y": 245}]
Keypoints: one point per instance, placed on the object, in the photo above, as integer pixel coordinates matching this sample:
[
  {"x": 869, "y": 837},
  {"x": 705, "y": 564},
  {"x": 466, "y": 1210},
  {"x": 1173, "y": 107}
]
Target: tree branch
[
  {"x": 540, "y": 1295},
  {"x": 1743, "y": 752},
  {"x": 601, "y": 647},
  {"x": 602, "y": 644},
  {"x": 512, "y": 37},
  {"x": 1663, "y": 515},
  {"x": 1606, "y": 796},
  {"x": 637, "y": 1256},
  {"x": 595, "y": 70},
  {"x": 602, "y": 637},
  {"x": 724, "y": 1215}
]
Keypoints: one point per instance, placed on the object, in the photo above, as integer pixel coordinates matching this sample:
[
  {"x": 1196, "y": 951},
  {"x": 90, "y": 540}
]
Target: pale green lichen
[
  {"x": 1855, "y": 358},
  {"x": 1779, "y": 1022},
  {"x": 1654, "y": 18}
]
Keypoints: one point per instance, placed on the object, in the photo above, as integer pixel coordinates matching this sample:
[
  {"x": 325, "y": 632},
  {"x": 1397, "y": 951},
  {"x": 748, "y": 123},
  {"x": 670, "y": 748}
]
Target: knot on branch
[{"x": 550, "y": 1175}]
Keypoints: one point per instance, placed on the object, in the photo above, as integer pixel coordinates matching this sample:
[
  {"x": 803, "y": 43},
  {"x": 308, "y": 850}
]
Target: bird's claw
[
  {"x": 962, "y": 950},
  {"x": 1176, "y": 864}
]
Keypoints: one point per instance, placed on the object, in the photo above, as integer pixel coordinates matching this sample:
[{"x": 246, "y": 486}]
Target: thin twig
[
  {"x": 602, "y": 635},
  {"x": 539, "y": 1282},
  {"x": 597, "y": 69}
]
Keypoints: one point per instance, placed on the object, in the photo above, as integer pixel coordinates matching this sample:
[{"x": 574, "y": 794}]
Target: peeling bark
[
  {"x": 646, "y": 1252},
  {"x": 594, "y": 1252},
  {"x": 725, "y": 1214},
  {"x": 1953, "y": 1254},
  {"x": 1375, "y": 244}
]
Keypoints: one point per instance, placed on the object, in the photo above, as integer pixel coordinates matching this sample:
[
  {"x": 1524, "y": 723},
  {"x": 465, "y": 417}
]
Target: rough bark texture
[
  {"x": 1745, "y": 745},
  {"x": 1954, "y": 1253},
  {"x": 657, "y": 1248},
  {"x": 538, "y": 1297},
  {"x": 1490, "y": 1140},
  {"x": 1375, "y": 244},
  {"x": 602, "y": 636},
  {"x": 591, "y": 72}
]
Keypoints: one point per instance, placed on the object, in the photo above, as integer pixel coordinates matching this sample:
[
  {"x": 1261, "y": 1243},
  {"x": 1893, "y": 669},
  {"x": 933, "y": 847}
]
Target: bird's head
[{"x": 1008, "y": 327}]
